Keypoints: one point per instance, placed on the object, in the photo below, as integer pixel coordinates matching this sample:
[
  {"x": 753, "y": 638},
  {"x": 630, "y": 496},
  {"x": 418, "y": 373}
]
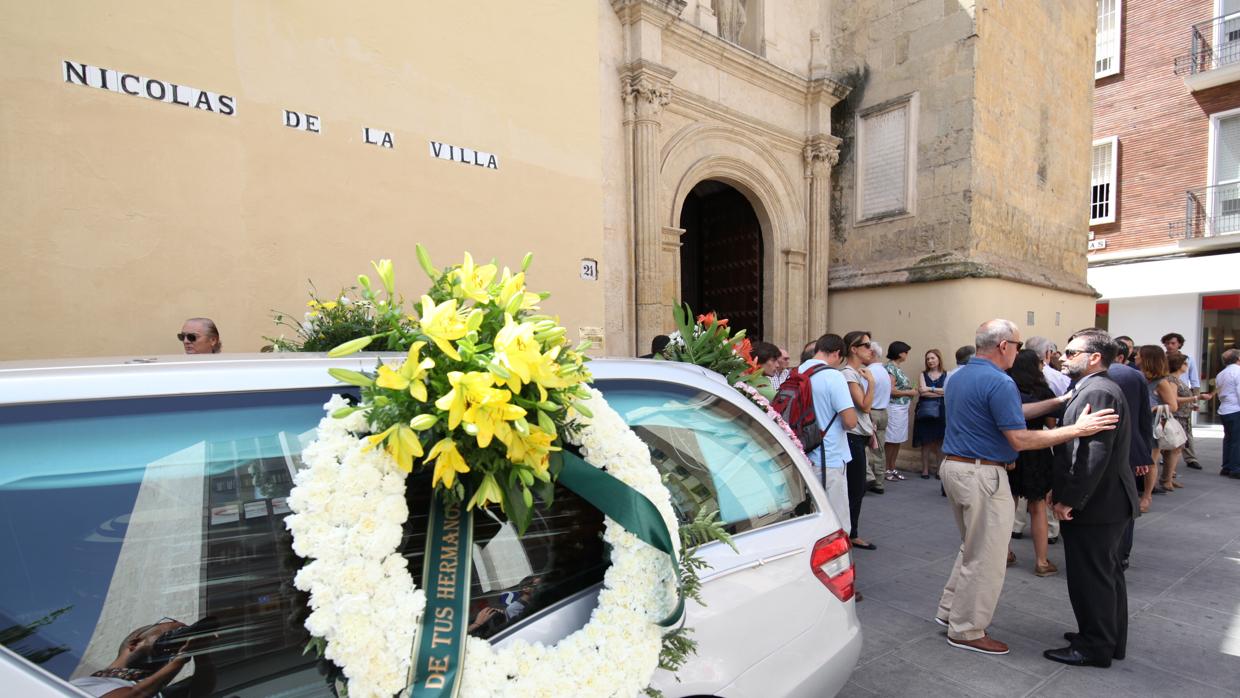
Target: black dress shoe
[
  {"x": 875, "y": 489},
  {"x": 1071, "y": 637},
  {"x": 1194, "y": 465},
  {"x": 1018, "y": 535},
  {"x": 1073, "y": 657},
  {"x": 1123, "y": 564},
  {"x": 1052, "y": 541}
]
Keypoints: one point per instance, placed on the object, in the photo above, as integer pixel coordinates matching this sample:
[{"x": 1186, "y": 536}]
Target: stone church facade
[{"x": 735, "y": 149}]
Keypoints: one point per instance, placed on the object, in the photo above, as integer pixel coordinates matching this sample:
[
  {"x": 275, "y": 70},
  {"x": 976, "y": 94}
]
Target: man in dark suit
[
  {"x": 1095, "y": 497},
  {"x": 1137, "y": 395}
]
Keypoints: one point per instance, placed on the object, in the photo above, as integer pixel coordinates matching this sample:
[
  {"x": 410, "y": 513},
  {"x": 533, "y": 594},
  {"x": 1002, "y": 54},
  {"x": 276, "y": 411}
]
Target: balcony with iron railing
[
  {"x": 1209, "y": 212},
  {"x": 1215, "y": 56}
]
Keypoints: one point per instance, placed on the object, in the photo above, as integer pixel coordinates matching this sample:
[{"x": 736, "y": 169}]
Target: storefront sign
[
  {"x": 1097, "y": 245},
  {"x": 147, "y": 88},
  {"x": 467, "y": 156}
]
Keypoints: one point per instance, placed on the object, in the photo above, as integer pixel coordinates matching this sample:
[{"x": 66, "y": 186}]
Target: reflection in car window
[
  {"x": 124, "y": 520},
  {"x": 716, "y": 455}
]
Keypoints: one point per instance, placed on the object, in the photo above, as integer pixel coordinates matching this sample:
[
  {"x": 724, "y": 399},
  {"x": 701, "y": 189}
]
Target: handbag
[
  {"x": 929, "y": 408},
  {"x": 1167, "y": 430}
]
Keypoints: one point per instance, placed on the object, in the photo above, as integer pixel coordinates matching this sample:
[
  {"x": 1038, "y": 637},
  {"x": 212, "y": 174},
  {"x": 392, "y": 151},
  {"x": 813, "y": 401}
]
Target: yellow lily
[
  {"x": 473, "y": 282},
  {"x": 513, "y": 285},
  {"x": 532, "y": 448},
  {"x": 448, "y": 462},
  {"x": 442, "y": 323},
  {"x": 488, "y": 491},
  {"x": 517, "y": 350},
  {"x": 490, "y": 417},
  {"x": 411, "y": 374},
  {"x": 402, "y": 444},
  {"x": 384, "y": 268},
  {"x": 546, "y": 373},
  {"x": 468, "y": 390}
]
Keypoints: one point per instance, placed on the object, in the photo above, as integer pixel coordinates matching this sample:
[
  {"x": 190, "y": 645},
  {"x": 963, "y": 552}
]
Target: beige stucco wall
[
  {"x": 122, "y": 215},
  {"x": 945, "y": 314}
]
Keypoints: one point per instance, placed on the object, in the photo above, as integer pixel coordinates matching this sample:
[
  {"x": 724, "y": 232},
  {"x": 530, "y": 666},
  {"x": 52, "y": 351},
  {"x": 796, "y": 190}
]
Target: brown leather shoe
[
  {"x": 984, "y": 644},
  {"x": 1011, "y": 558},
  {"x": 1177, "y": 485},
  {"x": 1046, "y": 570}
]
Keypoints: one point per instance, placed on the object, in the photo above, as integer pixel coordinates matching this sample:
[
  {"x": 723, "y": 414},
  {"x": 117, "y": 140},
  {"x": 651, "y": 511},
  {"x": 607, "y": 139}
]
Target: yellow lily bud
[
  {"x": 351, "y": 347},
  {"x": 525, "y": 261},
  {"x": 423, "y": 422},
  {"x": 474, "y": 321},
  {"x": 344, "y": 375},
  {"x": 386, "y": 274},
  {"x": 424, "y": 261}
]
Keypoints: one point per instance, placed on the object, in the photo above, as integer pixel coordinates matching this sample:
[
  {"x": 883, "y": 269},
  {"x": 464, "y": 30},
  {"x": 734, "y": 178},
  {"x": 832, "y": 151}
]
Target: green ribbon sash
[
  {"x": 627, "y": 507},
  {"x": 447, "y": 569}
]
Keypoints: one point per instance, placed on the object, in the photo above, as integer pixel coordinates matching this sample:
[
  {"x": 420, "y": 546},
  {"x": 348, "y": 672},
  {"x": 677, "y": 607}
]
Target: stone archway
[{"x": 721, "y": 256}]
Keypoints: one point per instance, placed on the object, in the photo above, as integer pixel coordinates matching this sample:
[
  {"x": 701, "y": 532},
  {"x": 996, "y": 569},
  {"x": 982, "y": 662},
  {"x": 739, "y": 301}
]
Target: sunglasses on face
[
  {"x": 188, "y": 336},
  {"x": 1019, "y": 345},
  {"x": 1069, "y": 353}
]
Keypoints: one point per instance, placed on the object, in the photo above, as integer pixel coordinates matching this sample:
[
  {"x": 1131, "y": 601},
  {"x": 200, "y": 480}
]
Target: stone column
[
  {"x": 821, "y": 154},
  {"x": 647, "y": 89},
  {"x": 670, "y": 253},
  {"x": 795, "y": 332}
]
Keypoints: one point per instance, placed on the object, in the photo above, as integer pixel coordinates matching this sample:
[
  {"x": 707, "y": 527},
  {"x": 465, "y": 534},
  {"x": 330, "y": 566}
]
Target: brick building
[{"x": 1165, "y": 177}]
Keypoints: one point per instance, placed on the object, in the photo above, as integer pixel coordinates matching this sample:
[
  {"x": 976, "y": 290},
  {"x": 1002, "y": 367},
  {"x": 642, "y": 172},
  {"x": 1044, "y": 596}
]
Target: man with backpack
[{"x": 816, "y": 403}]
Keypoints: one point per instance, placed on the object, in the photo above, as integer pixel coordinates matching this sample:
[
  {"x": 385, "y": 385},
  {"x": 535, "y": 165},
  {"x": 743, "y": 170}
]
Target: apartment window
[
  {"x": 1223, "y": 196},
  {"x": 1102, "y": 181},
  {"x": 887, "y": 159},
  {"x": 1106, "y": 50}
]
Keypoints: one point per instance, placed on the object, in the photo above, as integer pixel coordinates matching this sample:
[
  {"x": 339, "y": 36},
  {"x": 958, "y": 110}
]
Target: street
[{"x": 1183, "y": 595}]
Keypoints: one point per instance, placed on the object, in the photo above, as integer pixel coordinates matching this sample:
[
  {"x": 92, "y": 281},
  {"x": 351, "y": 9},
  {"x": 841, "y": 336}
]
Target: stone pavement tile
[
  {"x": 1212, "y": 619},
  {"x": 1009, "y": 621},
  {"x": 1015, "y": 673},
  {"x": 1035, "y": 604},
  {"x": 895, "y": 622},
  {"x": 876, "y": 645},
  {"x": 1131, "y": 678},
  {"x": 920, "y": 602},
  {"x": 1186, "y": 651},
  {"x": 897, "y": 677},
  {"x": 852, "y": 690},
  {"x": 1203, "y": 592},
  {"x": 886, "y": 561}
]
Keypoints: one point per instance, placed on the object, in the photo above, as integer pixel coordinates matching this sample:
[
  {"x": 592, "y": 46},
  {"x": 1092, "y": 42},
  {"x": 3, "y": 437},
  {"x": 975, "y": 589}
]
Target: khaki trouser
[
  {"x": 1022, "y": 518},
  {"x": 876, "y": 458},
  {"x": 982, "y": 503}
]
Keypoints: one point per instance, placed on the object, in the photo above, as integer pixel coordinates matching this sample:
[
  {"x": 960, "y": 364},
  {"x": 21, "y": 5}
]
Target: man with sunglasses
[
  {"x": 1095, "y": 496},
  {"x": 139, "y": 669},
  {"x": 985, "y": 431},
  {"x": 199, "y": 336}
]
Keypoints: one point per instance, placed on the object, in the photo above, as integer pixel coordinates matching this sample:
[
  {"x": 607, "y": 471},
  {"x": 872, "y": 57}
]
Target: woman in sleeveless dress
[{"x": 930, "y": 416}]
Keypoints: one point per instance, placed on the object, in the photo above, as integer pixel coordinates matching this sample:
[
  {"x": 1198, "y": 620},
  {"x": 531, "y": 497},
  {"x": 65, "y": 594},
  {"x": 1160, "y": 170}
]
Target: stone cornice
[
  {"x": 827, "y": 91},
  {"x": 747, "y": 66},
  {"x": 695, "y": 106},
  {"x": 843, "y": 277},
  {"x": 659, "y": 12}
]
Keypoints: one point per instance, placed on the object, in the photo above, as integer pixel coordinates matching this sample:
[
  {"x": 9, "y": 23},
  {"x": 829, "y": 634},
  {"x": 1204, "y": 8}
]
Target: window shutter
[
  {"x": 885, "y": 163},
  {"x": 1102, "y": 182}
]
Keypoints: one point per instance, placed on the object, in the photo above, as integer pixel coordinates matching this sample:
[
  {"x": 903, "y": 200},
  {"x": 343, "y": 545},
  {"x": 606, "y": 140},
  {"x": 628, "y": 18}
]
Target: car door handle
[{"x": 751, "y": 565}]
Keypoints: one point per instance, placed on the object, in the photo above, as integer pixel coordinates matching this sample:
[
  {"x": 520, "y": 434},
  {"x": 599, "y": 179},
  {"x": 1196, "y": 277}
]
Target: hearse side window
[
  {"x": 716, "y": 455},
  {"x": 117, "y": 514}
]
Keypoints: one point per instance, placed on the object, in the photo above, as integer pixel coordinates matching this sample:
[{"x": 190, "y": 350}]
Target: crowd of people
[{"x": 1023, "y": 437}]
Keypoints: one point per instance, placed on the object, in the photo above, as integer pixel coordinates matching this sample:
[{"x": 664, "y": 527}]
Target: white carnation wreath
[{"x": 349, "y": 507}]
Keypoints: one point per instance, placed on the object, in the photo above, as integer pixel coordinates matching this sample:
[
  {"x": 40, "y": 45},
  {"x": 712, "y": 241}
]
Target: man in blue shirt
[
  {"x": 985, "y": 431},
  {"x": 831, "y": 398}
]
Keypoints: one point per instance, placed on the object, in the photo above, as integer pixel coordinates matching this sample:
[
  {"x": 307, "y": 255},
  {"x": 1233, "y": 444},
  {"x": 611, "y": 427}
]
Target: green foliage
[
  {"x": 709, "y": 342},
  {"x": 677, "y": 645},
  {"x": 353, "y": 313}
]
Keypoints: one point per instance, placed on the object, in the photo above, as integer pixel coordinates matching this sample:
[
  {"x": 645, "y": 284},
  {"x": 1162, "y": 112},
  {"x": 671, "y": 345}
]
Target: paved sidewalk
[{"x": 1183, "y": 594}]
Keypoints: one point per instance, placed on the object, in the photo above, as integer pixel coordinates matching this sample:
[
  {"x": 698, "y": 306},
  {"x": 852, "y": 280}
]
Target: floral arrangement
[
  {"x": 485, "y": 391},
  {"x": 763, "y": 404},
  {"x": 709, "y": 342},
  {"x": 352, "y": 313}
]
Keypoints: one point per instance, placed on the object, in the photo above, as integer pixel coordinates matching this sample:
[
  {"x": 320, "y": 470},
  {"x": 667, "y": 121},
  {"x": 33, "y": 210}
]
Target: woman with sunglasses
[{"x": 199, "y": 336}]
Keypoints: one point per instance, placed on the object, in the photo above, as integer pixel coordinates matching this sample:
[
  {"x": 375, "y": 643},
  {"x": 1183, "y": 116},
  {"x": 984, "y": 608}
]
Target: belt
[{"x": 977, "y": 461}]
